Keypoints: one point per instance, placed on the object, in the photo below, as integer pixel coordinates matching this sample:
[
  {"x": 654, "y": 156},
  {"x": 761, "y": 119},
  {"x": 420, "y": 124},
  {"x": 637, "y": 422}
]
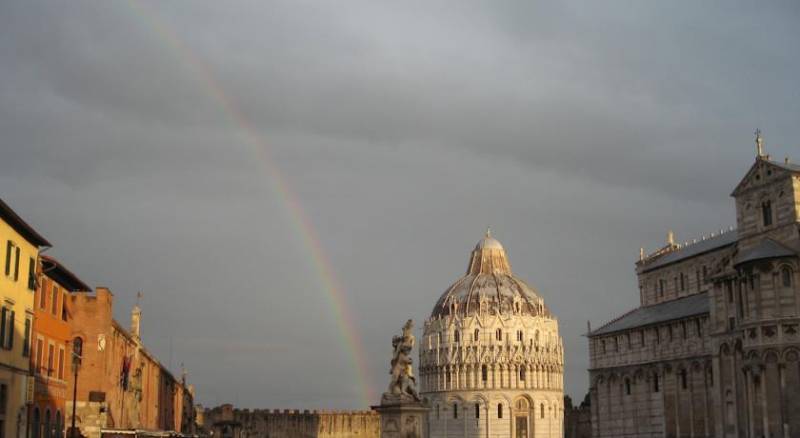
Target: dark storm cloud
[{"x": 579, "y": 132}]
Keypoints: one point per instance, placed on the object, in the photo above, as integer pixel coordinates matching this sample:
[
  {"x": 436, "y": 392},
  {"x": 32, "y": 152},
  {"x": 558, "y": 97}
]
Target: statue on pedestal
[{"x": 403, "y": 384}]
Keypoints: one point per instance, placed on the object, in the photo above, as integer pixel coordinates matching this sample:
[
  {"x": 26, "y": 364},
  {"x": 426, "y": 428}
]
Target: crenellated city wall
[{"x": 227, "y": 422}]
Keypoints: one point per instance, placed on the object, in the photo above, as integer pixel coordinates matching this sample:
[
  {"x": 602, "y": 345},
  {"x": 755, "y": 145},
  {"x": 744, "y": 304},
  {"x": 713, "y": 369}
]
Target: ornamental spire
[{"x": 759, "y": 144}]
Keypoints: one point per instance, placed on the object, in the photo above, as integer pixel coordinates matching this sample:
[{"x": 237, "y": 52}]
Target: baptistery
[{"x": 491, "y": 359}]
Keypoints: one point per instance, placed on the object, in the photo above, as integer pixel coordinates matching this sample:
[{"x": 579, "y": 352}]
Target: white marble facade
[
  {"x": 491, "y": 359},
  {"x": 714, "y": 348}
]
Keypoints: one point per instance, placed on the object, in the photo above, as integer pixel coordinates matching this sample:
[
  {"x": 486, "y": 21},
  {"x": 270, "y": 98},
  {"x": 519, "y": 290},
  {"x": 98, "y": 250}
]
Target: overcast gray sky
[{"x": 579, "y": 132}]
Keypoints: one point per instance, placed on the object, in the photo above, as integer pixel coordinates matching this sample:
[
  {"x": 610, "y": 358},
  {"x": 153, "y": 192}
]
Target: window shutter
[
  {"x": 16, "y": 266},
  {"x": 11, "y": 332},
  {"x": 3, "y": 327},
  {"x": 32, "y": 274},
  {"x": 8, "y": 258}
]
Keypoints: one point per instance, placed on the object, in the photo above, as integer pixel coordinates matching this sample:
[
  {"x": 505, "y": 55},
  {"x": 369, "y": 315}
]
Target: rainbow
[{"x": 300, "y": 220}]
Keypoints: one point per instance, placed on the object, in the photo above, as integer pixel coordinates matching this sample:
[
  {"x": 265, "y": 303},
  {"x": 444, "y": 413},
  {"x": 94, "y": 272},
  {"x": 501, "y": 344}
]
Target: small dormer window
[{"x": 766, "y": 213}]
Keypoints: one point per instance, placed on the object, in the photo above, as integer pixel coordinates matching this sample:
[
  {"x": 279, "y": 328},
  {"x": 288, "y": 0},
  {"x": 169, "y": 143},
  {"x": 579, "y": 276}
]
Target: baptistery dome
[
  {"x": 491, "y": 359},
  {"x": 489, "y": 287}
]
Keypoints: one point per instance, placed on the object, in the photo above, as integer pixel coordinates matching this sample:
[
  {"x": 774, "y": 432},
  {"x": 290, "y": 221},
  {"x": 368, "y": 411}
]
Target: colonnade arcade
[
  {"x": 479, "y": 416},
  {"x": 665, "y": 399},
  {"x": 766, "y": 388},
  {"x": 492, "y": 376}
]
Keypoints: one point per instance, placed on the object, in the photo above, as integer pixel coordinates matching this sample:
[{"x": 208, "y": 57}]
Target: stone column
[
  {"x": 782, "y": 400},
  {"x": 677, "y": 404},
  {"x": 764, "y": 407},
  {"x": 749, "y": 399}
]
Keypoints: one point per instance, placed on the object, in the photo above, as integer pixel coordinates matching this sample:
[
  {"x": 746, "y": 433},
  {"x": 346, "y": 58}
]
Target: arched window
[
  {"x": 683, "y": 379},
  {"x": 457, "y": 336},
  {"x": 36, "y": 431},
  {"x": 447, "y": 377},
  {"x": 59, "y": 427},
  {"x": 786, "y": 277},
  {"x": 47, "y": 432},
  {"x": 455, "y": 410},
  {"x": 628, "y": 386},
  {"x": 499, "y": 334},
  {"x": 484, "y": 373},
  {"x": 476, "y": 335},
  {"x": 766, "y": 213},
  {"x": 499, "y": 410},
  {"x": 522, "y": 374},
  {"x": 477, "y": 410},
  {"x": 519, "y": 335},
  {"x": 541, "y": 410}
]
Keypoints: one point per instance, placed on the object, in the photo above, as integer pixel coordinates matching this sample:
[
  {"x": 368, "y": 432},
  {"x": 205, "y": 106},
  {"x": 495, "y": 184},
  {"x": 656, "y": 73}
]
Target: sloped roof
[
  {"x": 703, "y": 246},
  {"x": 766, "y": 249},
  {"x": 671, "y": 310},
  {"x": 791, "y": 167},
  {"x": 20, "y": 226},
  {"x": 63, "y": 276}
]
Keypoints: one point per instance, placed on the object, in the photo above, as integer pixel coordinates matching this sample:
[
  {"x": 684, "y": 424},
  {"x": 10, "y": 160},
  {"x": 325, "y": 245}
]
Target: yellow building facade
[{"x": 19, "y": 261}]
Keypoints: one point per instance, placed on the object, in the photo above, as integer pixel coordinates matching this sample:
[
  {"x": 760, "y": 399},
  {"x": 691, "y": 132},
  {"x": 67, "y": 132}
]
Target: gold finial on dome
[
  {"x": 488, "y": 232},
  {"x": 759, "y": 144}
]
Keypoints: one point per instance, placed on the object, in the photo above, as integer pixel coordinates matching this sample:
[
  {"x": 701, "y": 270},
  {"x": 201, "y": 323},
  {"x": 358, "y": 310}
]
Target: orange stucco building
[{"x": 50, "y": 347}]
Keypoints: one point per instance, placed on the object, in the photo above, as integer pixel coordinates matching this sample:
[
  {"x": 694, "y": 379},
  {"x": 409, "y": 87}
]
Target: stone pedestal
[{"x": 403, "y": 419}]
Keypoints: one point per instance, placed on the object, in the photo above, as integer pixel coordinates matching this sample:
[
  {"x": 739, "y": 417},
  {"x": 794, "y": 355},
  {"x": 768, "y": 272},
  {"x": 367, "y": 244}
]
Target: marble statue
[{"x": 403, "y": 384}]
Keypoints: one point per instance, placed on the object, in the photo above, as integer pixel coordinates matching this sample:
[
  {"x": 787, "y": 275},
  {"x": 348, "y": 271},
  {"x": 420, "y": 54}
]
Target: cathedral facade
[
  {"x": 713, "y": 350},
  {"x": 491, "y": 358}
]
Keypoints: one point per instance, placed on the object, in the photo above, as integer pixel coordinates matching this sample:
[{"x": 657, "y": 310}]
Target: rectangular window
[
  {"x": 683, "y": 282},
  {"x": 661, "y": 287},
  {"x": 51, "y": 353},
  {"x": 39, "y": 354},
  {"x": 3, "y": 325},
  {"x": 697, "y": 279},
  {"x": 43, "y": 297},
  {"x": 32, "y": 274},
  {"x": 26, "y": 345},
  {"x": 61, "y": 363},
  {"x": 9, "y": 252},
  {"x": 54, "y": 301},
  {"x": 8, "y": 342},
  {"x": 3, "y": 399},
  {"x": 64, "y": 308},
  {"x": 16, "y": 266}
]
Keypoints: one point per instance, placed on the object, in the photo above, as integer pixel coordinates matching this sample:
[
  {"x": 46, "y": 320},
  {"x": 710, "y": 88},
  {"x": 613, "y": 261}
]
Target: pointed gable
[{"x": 761, "y": 173}]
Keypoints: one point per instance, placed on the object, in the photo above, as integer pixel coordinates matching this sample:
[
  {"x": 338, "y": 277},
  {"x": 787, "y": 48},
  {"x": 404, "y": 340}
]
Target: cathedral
[
  {"x": 491, "y": 360},
  {"x": 713, "y": 350}
]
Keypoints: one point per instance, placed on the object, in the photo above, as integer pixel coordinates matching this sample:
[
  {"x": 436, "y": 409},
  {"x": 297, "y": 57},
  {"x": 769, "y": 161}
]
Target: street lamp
[{"x": 77, "y": 355}]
